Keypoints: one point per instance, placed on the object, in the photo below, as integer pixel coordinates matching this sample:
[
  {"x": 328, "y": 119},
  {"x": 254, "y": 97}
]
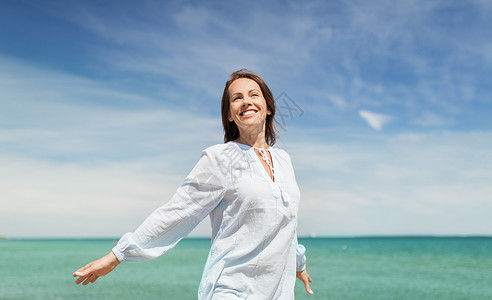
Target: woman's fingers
[
  {"x": 91, "y": 278},
  {"x": 304, "y": 277},
  {"x": 80, "y": 279},
  {"x": 306, "y": 285},
  {"x": 83, "y": 273},
  {"x": 87, "y": 280}
]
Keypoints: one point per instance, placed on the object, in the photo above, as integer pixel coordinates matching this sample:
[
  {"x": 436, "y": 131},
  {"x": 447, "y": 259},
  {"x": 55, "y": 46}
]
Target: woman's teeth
[{"x": 249, "y": 112}]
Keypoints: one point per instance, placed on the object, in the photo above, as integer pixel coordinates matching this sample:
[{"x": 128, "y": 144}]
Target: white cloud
[
  {"x": 337, "y": 101},
  {"x": 412, "y": 183},
  {"x": 429, "y": 118},
  {"x": 375, "y": 120},
  {"x": 46, "y": 198}
]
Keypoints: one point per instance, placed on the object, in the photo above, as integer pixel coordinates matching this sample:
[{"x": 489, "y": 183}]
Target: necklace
[{"x": 267, "y": 159}]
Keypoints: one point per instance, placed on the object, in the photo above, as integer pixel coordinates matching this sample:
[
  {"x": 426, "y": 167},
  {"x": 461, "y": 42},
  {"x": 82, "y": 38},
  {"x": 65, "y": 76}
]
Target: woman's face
[{"x": 248, "y": 108}]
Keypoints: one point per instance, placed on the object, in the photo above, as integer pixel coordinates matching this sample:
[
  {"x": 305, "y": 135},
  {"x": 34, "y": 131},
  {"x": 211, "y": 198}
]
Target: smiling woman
[{"x": 248, "y": 189}]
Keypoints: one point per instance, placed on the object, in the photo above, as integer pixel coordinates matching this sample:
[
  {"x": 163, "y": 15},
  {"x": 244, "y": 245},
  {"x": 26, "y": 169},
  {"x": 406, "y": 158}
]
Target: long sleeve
[
  {"x": 300, "y": 258},
  {"x": 199, "y": 194}
]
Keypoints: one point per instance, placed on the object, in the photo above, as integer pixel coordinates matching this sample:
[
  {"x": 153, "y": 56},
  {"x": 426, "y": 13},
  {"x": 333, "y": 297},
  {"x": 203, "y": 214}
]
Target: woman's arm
[{"x": 200, "y": 193}]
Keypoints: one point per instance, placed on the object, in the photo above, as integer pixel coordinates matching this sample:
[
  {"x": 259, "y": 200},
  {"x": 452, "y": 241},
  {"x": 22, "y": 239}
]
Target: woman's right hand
[
  {"x": 92, "y": 271},
  {"x": 304, "y": 277}
]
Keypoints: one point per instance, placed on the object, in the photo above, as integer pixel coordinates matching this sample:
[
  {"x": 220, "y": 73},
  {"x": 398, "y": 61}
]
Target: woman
[{"x": 249, "y": 190}]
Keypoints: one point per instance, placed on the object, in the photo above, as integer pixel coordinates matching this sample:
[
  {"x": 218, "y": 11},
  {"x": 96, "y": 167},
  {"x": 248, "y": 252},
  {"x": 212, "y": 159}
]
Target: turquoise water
[{"x": 342, "y": 268}]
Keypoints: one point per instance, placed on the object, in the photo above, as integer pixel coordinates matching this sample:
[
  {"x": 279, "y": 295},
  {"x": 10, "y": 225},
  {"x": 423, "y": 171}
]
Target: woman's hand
[
  {"x": 92, "y": 271},
  {"x": 304, "y": 277}
]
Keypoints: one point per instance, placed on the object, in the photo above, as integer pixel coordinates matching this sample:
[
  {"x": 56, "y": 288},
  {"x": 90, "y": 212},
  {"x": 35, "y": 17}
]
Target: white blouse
[{"x": 254, "y": 252}]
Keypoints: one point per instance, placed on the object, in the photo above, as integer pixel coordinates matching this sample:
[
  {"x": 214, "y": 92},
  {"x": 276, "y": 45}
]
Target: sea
[{"x": 418, "y": 268}]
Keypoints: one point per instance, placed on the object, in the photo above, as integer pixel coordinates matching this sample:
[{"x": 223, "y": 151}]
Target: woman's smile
[{"x": 248, "y": 112}]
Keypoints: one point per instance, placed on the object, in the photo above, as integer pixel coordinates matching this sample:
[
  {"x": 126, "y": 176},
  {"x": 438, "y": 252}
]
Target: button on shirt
[{"x": 254, "y": 252}]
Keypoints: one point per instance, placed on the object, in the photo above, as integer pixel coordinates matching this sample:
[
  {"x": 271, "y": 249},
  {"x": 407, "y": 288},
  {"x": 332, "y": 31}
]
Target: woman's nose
[{"x": 247, "y": 100}]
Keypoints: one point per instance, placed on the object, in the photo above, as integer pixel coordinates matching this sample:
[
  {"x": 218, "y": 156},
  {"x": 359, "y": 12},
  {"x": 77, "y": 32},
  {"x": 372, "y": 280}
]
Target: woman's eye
[{"x": 254, "y": 95}]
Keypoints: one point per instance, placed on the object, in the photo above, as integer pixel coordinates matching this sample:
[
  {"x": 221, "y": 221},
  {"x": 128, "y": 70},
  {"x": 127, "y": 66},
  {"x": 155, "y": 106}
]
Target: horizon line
[{"x": 3, "y": 238}]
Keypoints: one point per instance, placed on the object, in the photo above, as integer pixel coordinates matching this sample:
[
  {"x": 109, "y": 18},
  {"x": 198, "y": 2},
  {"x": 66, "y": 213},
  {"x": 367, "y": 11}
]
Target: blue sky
[{"x": 106, "y": 106}]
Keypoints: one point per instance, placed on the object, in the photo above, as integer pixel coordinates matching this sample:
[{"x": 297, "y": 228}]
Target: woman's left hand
[{"x": 304, "y": 277}]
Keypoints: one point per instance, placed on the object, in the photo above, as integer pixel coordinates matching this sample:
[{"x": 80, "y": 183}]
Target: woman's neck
[{"x": 256, "y": 140}]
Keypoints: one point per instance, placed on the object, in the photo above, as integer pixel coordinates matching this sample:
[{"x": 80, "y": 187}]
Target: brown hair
[{"x": 231, "y": 132}]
